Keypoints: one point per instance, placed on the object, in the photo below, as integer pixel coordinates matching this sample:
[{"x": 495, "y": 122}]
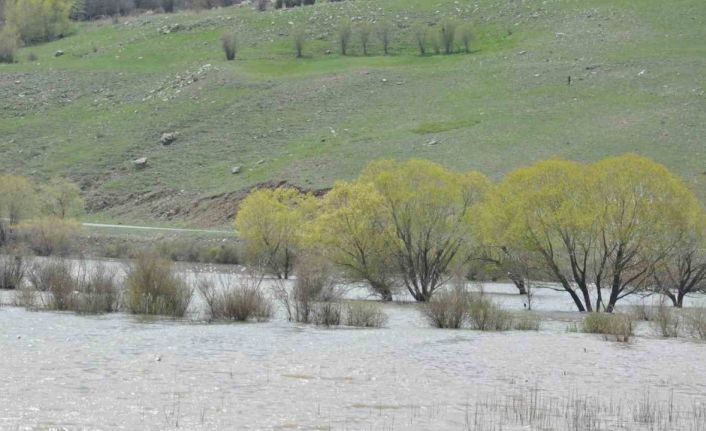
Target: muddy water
[{"x": 62, "y": 371}]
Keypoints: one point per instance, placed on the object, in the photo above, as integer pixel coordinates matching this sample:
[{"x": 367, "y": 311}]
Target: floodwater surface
[{"x": 113, "y": 372}]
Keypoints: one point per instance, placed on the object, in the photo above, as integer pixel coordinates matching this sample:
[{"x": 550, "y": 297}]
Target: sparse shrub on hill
[
  {"x": 344, "y": 37},
  {"x": 421, "y": 37},
  {"x": 228, "y": 43},
  {"x": 299, "y": 38},
  {"x": 38, "y": 20},
  {"x": 364, "y": 34},
  {"x": 384, "y": 33},
  {"x": 466, "y": 38},
  {"x": 448, "y": 36}
]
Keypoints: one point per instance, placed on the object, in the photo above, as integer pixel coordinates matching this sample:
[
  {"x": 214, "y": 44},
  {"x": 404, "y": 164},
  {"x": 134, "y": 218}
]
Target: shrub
[
  {"x": 448, "y": 309},
  {"x": 229, "y": 45},
  {"x": 13, "y": 269},
  {"x": 38, "y": 20},
  {"x": 299, "y": 39},
  {"x": 261, "y": 5},
  {"x": 466, "y": 37},
  {"x": 384, "y": 32},
  {"x": 8, "y": 46},
  {"x": 56, "y": 278},
  {"x": 485, "y": 315},
  {"x": 154, "y": 288},
  {"x": 665, "y": 321},
  {"x": 421, "y": 35},
  {"x": 49, "y": 235},
  {"x": 618, "y": 326},
  {"x": 242, "y": 302},
  {"x": 98, "y": 292},
  {"x": 26, "y": 297},
  {"x": 226, "y": 254},
  {"x": 344, "y": 37},
  {"x": 32, "y": 57},
  {"x": 314, "y": 284},
  {"x": 364, "y": 34},
  {"x": 327, "y": 314},
  {"x": 365, "y": 315},
  {"x": 695, "y": 322},
  {"x": 448, "y": 36},
  {"x": 527, "y": 322}
]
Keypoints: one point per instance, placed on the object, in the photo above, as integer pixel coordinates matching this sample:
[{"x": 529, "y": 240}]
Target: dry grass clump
[
  {"x": 526, "y": 322},
  {"x": 56, "y": 278},
  {"x": 364, "y": 314},
  {"x": 665, "y": 321},
  {"x": 327, "y": 314},
  {"x": 241, "y": 302},
  {"x": 98, "y": 292},
  {"x": 154, "y": 288},
  {"x": 615, "y": 326}
]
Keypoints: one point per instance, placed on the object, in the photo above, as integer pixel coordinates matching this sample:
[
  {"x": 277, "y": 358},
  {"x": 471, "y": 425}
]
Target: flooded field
[{"x": 63, "y": 371}]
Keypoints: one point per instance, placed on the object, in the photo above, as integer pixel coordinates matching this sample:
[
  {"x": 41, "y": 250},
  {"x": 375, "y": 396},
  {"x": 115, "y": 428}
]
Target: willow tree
[
  {"x": 354, "y": 232},
  {"x": 270, "y": 222},
  {"x": 645, "y": 213},
  {"x": 427, "y": 209},
  {"x": 62, "y": 199},
  {"x": 544, "y": 212}
]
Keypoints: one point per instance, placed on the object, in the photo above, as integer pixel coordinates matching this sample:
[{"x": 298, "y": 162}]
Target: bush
[
  {"x": 344, "y": 37},
  {"x": 9, "y": 44},
  {"x": 618, "y": 326},
  {"x": 421, "y": 34},
  {"x": 327, "y": 314},
  {"x": 242, "y": 302},
  {"x": 364, "y": 33},
  {"x": 98, "y": 292},
  {"x": 466, "y": 37},
  {"x": 695, "y": 322},
  {"x": 384, "y": 32},
  {"x": 26, "y": 297},
  {"x": 261, "y": 5},
  {"x": 365, "y": 315},
  {"x": 38, "y": 20},
  {"x": 229, "y": 45},
  {"x": 448, "y": 309},
  {"x": 527, "y": 322},
  {"x": 154, "y": 288},
  {"x": 314, "y": 284},
  {"x": 299, "y": 39},
  {"x": 665, "y": 321},
  {"x": 485, "y": 315},
  {"x": 49, "y": 235},
  {"x": 13, "y": 269},
  {"x": 57, "y": 279},
  {"x": 448, "y": 36}
]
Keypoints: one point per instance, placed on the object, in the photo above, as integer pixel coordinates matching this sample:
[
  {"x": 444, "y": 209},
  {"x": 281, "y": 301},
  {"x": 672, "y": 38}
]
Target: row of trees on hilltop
[{"x": 599, "y": 232}]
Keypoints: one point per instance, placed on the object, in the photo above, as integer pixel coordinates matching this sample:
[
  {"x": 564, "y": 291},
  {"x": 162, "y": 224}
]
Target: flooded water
[{"x": 63, "y": 371}]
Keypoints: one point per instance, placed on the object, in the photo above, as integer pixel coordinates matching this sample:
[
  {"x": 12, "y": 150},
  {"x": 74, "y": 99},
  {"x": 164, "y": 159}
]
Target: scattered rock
[
  {"x": 433, "y": 142},
  {"x": 328, "y": 52},
  {"x": 522, "y": 53},
  {"x": 58, "y": 53},
  {"x": 168, "y": 138},
  {"x": 140, "y": 163},
  {"x": 235, "y": 170},
  {"x": 259, "y": 162}
]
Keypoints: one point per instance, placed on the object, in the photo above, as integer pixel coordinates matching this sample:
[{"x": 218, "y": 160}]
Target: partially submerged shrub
[
  {"x": 526, "y": 322},
  {"x": 364, "y": 314},
  {"x": 56, "y": 278},
  {"x": 327, "y": 314},
  {"x": 314, "y": 284},
  {"x": 485, "y": 315},
  {"x": 240, "y": 302},
  {"x": 154, "y": 288},
  {"x": 13, "y": 269},
  {"x": 49, "y": 235},
  {"x": 98, "y": 292},
  {"x": 695, "y": 322},
  {"x": 448, "y": 309},
  {"x": 665, "y": 321},
  {"x": 617, "y": 326},
  {"x": 229, "y": 45}
]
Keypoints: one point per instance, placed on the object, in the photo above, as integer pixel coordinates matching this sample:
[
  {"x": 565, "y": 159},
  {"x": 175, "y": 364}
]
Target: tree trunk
[{"x": 520, "y": 284}]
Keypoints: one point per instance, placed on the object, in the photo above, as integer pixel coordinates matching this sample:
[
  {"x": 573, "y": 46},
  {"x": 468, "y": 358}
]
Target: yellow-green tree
[
  {"x": 427, "y": 209},
  {"x": 354, "y": 231},
  {"x": 645, "y": 211},
  {"x": 38, "y": 20},
  {"x": 62, "y": 199},
  {"x": 272, "y": 222},
  {"x": 17, "y": 198}
]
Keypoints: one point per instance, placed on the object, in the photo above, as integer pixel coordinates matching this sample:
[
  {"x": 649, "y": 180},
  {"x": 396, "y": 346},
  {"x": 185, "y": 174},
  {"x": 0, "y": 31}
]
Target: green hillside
[{"x": 638, "y": 84}]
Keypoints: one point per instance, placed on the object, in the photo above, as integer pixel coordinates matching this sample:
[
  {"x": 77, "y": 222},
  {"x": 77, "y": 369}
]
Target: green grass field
[{"x": 638, "y": 84}]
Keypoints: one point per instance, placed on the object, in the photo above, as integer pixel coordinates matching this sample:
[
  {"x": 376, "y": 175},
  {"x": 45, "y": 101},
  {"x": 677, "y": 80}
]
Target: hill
[{"x": 637, "y": 85}]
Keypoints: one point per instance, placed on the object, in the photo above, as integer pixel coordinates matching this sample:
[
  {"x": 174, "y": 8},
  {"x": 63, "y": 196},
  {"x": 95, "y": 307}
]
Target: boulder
[
  {"x": 235, "y": 170},
  {"x": 58, "y": 53},
  {"x": 140, "y": 163},
  {"x": 168, "y": 138}
]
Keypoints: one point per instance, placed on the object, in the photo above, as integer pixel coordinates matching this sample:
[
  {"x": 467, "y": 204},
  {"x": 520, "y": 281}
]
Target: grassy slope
[{"x": 638, "y": 84}]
